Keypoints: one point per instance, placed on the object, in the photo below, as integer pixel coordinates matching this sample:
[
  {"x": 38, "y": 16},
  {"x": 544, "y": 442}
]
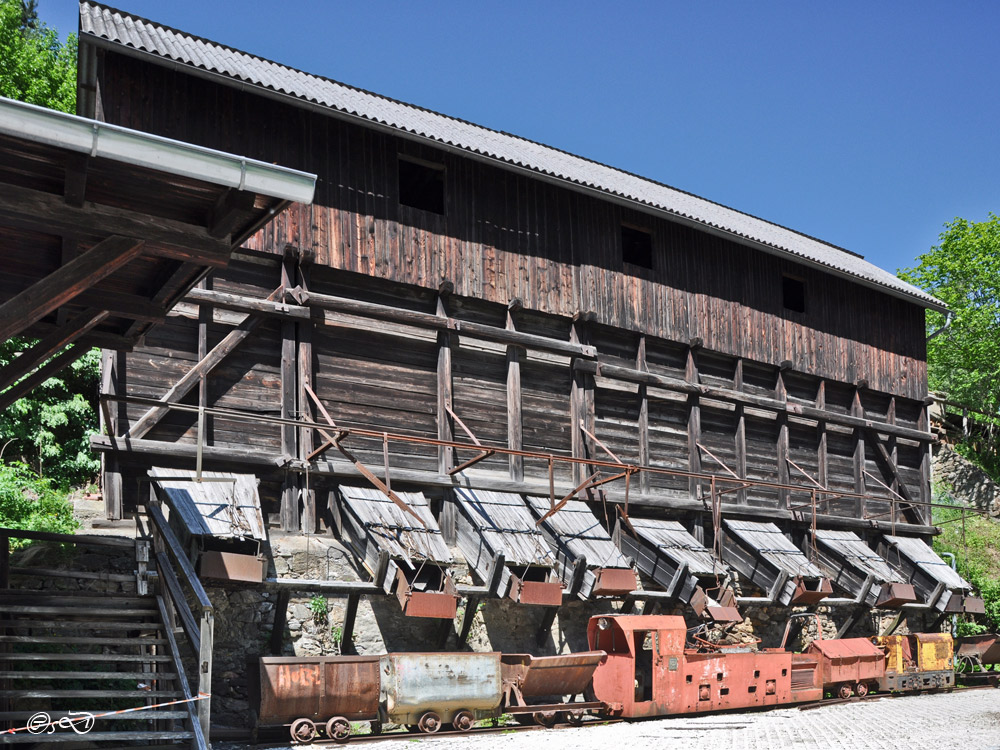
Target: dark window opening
[
  {"x": 421, "y": 185},
  {"x": 723, "y": 691},
  {"x": 793, "y": 294},
  {"x": 751, "y": 688},
  {"x": 637, "y": 247}
]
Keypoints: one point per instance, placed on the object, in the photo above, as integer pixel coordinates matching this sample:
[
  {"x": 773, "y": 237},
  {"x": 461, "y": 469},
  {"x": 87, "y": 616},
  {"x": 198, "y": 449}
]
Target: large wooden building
[{"x": 566, "y": 322}]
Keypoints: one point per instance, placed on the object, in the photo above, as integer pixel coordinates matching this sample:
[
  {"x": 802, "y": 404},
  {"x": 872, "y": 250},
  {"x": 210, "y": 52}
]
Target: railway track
[{"x": 875, "y": 696}]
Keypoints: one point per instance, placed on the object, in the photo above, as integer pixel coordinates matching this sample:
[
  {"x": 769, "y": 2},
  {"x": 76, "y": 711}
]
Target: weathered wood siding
[{"x": 506, "y": 236}]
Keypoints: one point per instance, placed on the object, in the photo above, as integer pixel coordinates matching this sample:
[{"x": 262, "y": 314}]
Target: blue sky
[{"x": 868, "y": 125}]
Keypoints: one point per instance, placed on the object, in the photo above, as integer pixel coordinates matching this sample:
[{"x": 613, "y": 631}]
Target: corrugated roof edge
[{"x": 900, "y": 289}]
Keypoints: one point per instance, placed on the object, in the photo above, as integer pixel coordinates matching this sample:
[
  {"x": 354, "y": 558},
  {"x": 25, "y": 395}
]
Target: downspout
[{"x": 954, "y": 617}]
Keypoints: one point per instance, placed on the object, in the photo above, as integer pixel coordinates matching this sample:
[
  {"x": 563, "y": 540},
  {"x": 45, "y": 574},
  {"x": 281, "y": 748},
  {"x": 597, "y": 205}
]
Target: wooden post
[
  {"x": 350, "y": 615},
  {"x": 204, "y": 318},
  {"x": 857, "y": 410},
  {"x": 205, "y": 670},
  {"x": 445, "y": 398},
  {"x": 581, "y": 400},
  {"x": 893, "y": 449},
  {"x": 821, "y": 448},
  {"x": 781, "y": 394},
  {"x": 694, "y": 421},
  {"x": 304, "y": 360},
  {"x": 741, "y": 433},
  {"x": 643, "y": 420},
  {"x": 290, "y": 517},
  {"x": 471, "y": 607},
  {"x": 112, "y": 485},
  {"x": 514, "y": 428},
  {"x": 926, "y": 451},
  {"x": 276, "y": 640}
]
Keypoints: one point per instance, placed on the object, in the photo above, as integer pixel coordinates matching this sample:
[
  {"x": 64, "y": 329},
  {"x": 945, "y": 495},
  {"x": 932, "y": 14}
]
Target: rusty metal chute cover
[
  {"x": 412, "y": 684},
  {"x": 318, "y": 688}
]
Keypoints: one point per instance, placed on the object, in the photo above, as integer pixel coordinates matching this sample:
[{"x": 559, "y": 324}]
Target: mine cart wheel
[
  {"x": 429, "y": 723},
  {"x": 463, "y": 720},
  {"x": 861, "y": 689},
  {"x": 844, "y": 691},
  {"x": 574, "y": 717},
  {"x": 303, "y": 731},
  {"x": 338, "y": 728},
  {"x": 544, "y": 718}
]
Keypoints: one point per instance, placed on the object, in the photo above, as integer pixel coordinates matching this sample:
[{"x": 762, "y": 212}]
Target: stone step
[
  {"x": 82, "y": 641},
  {"x": 52, "y": 675},
  {"x": 133, "y": 658}
]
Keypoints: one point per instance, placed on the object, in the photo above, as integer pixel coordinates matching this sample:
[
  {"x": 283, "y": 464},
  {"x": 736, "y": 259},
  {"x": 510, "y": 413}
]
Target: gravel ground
[{"x": 958, "y": 721}]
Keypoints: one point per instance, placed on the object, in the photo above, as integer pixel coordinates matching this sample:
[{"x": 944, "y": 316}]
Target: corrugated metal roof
[
  {"x": 575, "y": 525},
  {"x": 225, "y": 509},
  {"x": 853, "y": 550},
  {"x": 676, "y": 543},
  {"x": 506, "y": 526},
  {"x": 767, "y": 541},
  {"x": 112, "y": 26},
  {"x": 395, "y": 530},
  {"x": 921, "y": 555}
]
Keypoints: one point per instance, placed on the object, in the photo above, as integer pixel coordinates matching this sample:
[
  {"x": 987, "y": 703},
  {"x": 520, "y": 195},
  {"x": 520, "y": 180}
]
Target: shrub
[{"x": 29, "y": 502}]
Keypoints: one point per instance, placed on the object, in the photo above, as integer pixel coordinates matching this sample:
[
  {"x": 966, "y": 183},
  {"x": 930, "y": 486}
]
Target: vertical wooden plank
[
  {"x": 514, "y": 425},
  {"x": 350, "y": 615},
  {"x": 924, "y": 423},
  {"x": 4, "y": 561},
  {"x": 643, "y": 422},
  {"x": 304, "y": 379},
  {"x": 741, "y": 433},
  {"x": 204, "y": 319},
  {"x": 781, "y": 394},
  {"x": 694, "y": 421},
  {"x": 111, "y": 365},
  {"x": 445, "y": 399},
  {"x": 290, "y": 519},
  {"x": 581, "y": 401},
  {"x": 821, "y": 427},
  {"x": 857, "y": 410}
]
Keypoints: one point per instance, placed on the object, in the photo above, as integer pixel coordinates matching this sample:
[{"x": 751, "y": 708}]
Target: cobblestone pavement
[{"x": 959, "y": 721}]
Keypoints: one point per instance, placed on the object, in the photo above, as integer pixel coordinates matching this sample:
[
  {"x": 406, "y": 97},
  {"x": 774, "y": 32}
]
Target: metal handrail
[{"x": 200, "y": 632}]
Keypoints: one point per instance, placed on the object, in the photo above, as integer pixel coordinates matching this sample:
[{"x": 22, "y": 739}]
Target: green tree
[
  {"x": 50, "y": 429},
  {"x": 34, "y": 66},
  {"x": 963, "y": 357}
]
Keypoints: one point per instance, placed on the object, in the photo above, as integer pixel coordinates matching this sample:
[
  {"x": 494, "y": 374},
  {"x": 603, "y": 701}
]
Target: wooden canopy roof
[{"x": 105, "y": 228}]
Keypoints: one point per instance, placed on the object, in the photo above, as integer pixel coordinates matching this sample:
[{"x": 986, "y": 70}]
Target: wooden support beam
[
  {"x": 515, "y": 437},
  {"x": 291, "y": 520},
  {"x": 48, "y": 346},
  {"x": 630, "y": 375},
  {"x": 133, "y": 306},
  {"x": 304, "y": 379},
  {"x": 228, "y": 212},
  {"x": 277, "y": 638},
  {"x": 821, "y": 457},
  {"x": 857, "y": 410},
  {"x": 545, "y": 627},
  {"x": 65, "y": 283},
  {"x": 242, "y": 303},
  {"x": 924, "y": 423},
  {"x": 781, "y": 394},
  {"x": 693, "y": 425},
  {"x": 445, "y": 395},
  {"x": 471, "y": 608},
  {"x": 43, "y": 373},
  {"x": 741, "y": 434},
  {"x": 428, "y": 320},
  {"x": 193, "y": 376},
  {"x": 642, "y": 423},
  {"x": 39, "y": 211},
  {"x": 350, "y": 616},
  {"x": 204, "y": 320}
]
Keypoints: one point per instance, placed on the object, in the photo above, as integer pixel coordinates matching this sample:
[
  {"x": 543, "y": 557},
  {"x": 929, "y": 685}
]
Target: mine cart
[
  {"x": 330, "y": 691},
  {"x": 849, "y": 665},
  {"x": 427, "y": 690}
]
